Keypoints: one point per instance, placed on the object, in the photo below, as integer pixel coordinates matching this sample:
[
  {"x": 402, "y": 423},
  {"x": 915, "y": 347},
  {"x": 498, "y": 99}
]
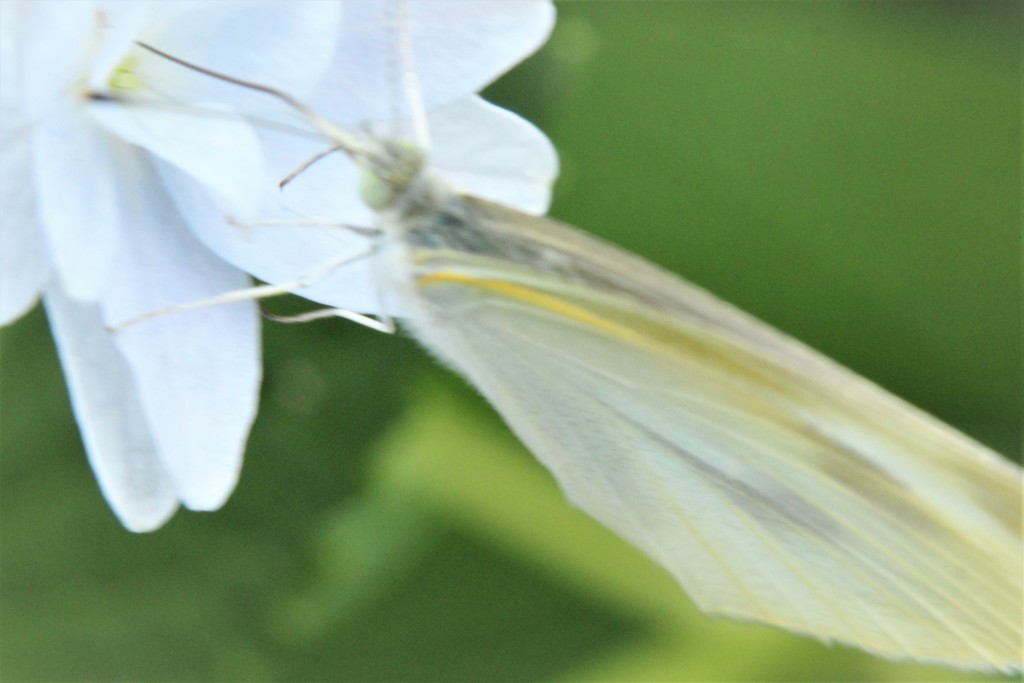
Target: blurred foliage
[{"x": 848, "y": 171}]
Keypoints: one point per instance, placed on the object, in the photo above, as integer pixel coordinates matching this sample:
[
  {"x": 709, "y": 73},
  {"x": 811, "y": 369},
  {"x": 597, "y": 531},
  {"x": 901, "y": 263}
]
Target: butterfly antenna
[{"x": 342, "y": 140}]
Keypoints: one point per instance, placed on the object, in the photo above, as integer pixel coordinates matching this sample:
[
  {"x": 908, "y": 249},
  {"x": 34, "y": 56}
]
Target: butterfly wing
[{"x": 775, "y": 485}]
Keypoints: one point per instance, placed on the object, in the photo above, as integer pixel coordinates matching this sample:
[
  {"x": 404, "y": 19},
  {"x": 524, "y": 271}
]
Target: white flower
[
  {"x": 164, "y": 408},
  {"x": 102, "y": 202}
]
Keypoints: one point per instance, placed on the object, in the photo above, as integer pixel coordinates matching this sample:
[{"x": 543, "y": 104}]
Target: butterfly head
[{"x": 389, "y": 169}]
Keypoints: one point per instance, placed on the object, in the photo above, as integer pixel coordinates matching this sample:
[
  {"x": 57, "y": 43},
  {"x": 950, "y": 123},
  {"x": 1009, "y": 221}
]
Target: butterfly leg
[{"x": 266, "y": 291}]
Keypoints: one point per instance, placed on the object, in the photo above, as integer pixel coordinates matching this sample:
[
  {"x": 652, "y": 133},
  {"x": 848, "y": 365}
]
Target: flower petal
[
  {"x": 197, "y": 372},
  {"x": 75, "y": 179},
  {"x": 287, "y": 45},
  {"x": 221, "y": 151},
  {"x": 189, "y": 118},
  {"x": 458, "y": 46},
  {"x": 12, "y": 83},
  {"x": 47, "y": 48},
  {"x": 490, "y": 152},
  {"x": 106, "y": 405},
  {"x": 283, "y": 253},
  {"x": 24, "y": 266}
]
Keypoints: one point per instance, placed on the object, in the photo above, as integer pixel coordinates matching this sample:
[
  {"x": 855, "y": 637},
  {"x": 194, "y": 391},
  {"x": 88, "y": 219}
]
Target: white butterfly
[{"x": 775, "y": 485}]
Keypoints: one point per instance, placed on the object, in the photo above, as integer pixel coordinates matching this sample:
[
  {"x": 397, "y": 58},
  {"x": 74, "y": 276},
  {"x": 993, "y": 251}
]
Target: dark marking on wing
[{"x": 782, "y": 504}]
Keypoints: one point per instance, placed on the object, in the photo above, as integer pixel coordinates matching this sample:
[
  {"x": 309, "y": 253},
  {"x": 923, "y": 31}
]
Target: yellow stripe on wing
[
  {"x": 635, "y": 328},
  {"x": 538, "y": 300}
]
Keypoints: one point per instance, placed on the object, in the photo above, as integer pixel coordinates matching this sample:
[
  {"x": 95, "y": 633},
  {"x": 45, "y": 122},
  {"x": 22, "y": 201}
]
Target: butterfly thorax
[{"x": 413, "y": 204}]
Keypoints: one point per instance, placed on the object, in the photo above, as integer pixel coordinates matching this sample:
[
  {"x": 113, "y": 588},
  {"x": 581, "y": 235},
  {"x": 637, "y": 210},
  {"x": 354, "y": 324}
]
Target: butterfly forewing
[{"x": 775, "y": 485}]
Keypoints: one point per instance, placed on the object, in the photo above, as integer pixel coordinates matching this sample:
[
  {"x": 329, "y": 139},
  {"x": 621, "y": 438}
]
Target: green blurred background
[{"x": 848, "y": 171}]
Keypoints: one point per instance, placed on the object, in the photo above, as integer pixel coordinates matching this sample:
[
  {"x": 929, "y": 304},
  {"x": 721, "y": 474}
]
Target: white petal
[
  {"x": 458, "y": 47},
  {"x": 24, "y": 266},
  {"x": 106, "y": 406},
  {"x": 280, "y": 254},
  {"x": 11, "y": 82},
  {"x": 222, "y": 151},
  {"x": 75, "y": 178},
  {"x": 492, "y": 37},
  {"x": 194, "y": 128},
  {"x": 490, "y": 152},
  {"x": 197, "y": 372},
  {"x": 287, "y": 45},
  {"x": 51, "y": 41}
]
